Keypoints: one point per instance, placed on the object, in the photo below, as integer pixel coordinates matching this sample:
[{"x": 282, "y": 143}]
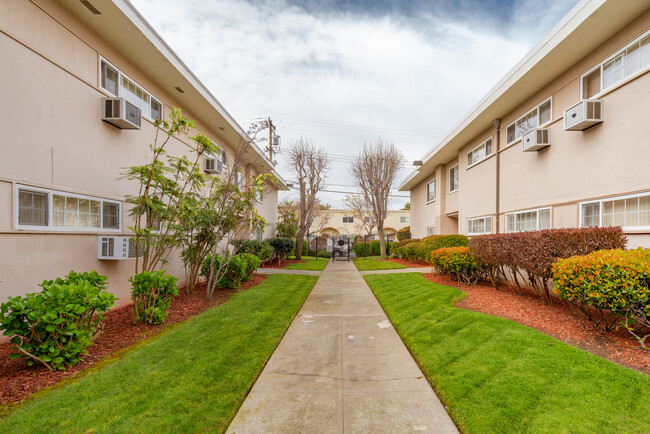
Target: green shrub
[
  {"x": 282, "y": 247},
  {"x": 324, "y": 254},
  {"x": 152, "y": 293},
  {"x": 435, "y": 242},
  {"x": 230, "y": 270},
  {"x": 404, "y": 233},
  {"x": 305, "y": 248},
  {"x": 458, "y": 263},
  {"x": 55, "y": 326},
  {"x": 371, "y": 248},
  {"x": 408, "y": 251},
  {"x": 252, "y": 264},
  {"x": 261, "y": 249},
  {"x": 617, "y": 281},
  {"x": 409, "y": 240}
]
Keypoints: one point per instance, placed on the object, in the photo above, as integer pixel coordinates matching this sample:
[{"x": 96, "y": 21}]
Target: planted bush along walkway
[
  {"x": 341, "y": 367},
  {"x": 495, "y": 375},
  {"x": 191, "y": 378}
]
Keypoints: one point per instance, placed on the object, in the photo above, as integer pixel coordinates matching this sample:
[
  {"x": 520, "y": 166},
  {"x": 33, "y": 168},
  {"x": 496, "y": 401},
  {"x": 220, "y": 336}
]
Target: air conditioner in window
[
  {"x": 212, "y": 165},
  {"x": 536, "y": 139},
  {"x": 115, "y": 248},
  {"x": 121, "y": 113},
  {"x": 583, "y": 115}
]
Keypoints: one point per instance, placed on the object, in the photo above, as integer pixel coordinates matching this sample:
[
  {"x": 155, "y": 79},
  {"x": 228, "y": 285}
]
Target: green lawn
[
  {"x": 190, "y": 379},
  {"x": 376, "y": 263},
  {"x": 496, "y": 375},
  {"x": 312, "y": 264}
]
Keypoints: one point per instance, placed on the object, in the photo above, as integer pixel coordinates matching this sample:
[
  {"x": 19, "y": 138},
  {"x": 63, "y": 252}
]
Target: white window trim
[
  {"x": 407, "y": 218},
  {"x": 434, "y": 230},
  {"x": 531, "y": 210},
  {"x": 119, "y": 81},
  {"x": 486, "y": 155},
  {"x": 50, "y": 211},
  {"x": 608, "y": 199},
  {"x": 480, "y": 218},
  {"x": 618, "y": 84},
  {"x": 450, "y": 178},
  {"x": 550, "y": 121},
  {"x": 435, "y": 193}
]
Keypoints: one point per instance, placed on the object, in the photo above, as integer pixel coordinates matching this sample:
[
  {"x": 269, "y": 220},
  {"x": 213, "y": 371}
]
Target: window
[
  {"x": 366, "y": 219},
  {"x": 405, "y": 219},
  {"x": 538, "y": 116},
  {"x": 532, "y": 220},
  {"x": 481, "y": 152},
  {"x": 348, "y": 219},
  {"x": 478, "y": 226},
  {"x": 217, "y": 161},
  {"x": 453, "y": 179},
  {"x": 431, "y": 191},
  {"x": 632, "y": 212},
  {"x": 629, "y": 61},
  {"x": 113, "y": 81},
  {"x": 431, "y": 230},
  {"x": 259, "y": 233},
  {"x": 43, "y": 208}
]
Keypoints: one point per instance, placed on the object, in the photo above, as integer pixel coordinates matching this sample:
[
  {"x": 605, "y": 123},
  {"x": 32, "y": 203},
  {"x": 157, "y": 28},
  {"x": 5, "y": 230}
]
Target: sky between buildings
[{"x": 348, "y": 72}]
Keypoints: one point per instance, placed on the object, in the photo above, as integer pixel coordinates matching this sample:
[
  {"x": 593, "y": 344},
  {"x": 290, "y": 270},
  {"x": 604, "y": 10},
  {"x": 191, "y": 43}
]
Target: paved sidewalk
[
  {"x": 341, "y": 367},
  {"x": 398, "y": 270},
  {"x": 288, "y": 271}
]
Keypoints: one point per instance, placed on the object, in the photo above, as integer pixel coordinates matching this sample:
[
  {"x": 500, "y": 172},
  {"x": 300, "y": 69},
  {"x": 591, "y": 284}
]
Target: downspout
[{"x": 497, "y": 125}]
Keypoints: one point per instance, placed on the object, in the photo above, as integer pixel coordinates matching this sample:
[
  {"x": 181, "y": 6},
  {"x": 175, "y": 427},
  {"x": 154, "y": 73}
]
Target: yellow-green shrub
[
  {"x": 617, "y": 281},
  {"x": 458, "y": 263}
]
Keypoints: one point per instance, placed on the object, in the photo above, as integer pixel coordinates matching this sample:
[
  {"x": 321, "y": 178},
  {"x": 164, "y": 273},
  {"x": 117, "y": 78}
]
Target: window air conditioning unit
[
  {"x": 536, "y": 139},
  {"x": 121, "y": 113},
  {"x": 583, "y": 115},
  {"x": 212, "y": 165},
  {"x": 115, "y": 248}
]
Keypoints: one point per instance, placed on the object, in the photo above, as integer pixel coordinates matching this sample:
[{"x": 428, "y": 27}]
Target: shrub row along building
[
  {"x": 82, "y": 83},
  {"x": 563, "y": 140}
]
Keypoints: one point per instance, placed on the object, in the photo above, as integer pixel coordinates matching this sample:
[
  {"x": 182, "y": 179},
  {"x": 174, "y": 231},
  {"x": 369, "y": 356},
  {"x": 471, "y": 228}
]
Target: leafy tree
[{"x": 287, "y": 226}]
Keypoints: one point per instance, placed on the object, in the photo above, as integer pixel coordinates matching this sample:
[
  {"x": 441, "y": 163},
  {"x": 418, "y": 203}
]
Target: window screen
[
  {"x": 111, "y": 215},
  {"x": 32, "y": 208}
]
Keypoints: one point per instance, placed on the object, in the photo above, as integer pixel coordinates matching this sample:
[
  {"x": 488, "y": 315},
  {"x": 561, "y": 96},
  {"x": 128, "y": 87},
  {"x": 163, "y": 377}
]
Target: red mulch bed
[
  {"x": 408, "y": 263},
  {"x": 556, "y": 320},
  {"x": 18, "y": 380},
  {"x": 285, "y": 263}
]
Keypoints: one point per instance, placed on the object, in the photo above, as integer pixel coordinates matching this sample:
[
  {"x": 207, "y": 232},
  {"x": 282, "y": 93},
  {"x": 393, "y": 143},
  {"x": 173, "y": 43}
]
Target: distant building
[{"x": 340, "y": 222}]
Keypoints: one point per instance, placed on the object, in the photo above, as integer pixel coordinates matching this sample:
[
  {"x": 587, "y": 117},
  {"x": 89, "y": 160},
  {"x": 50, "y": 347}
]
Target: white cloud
[{"x": 317, "y": 74}]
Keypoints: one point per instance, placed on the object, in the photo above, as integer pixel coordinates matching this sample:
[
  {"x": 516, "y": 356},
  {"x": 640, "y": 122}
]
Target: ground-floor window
[
  {"x": 630, "y": 212},
  {"x": 431, "y": 230},
  {"x": 479, "y": 226},
  {"x": 51, "y": 209},
  {"x": 529, "y": 220}
]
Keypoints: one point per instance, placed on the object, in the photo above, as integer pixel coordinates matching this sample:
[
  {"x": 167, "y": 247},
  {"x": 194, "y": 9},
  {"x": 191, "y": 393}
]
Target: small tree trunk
[
  {"x": 299, "y": 241},
  {"x": 382, "y": 241}
]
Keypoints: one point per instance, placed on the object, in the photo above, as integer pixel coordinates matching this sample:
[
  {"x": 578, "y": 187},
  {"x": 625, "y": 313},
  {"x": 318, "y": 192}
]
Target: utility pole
[{"x": 271, "y": 129}]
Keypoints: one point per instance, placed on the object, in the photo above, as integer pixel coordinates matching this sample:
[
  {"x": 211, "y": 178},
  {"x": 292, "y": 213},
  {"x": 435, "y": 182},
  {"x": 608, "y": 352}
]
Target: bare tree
[
  {"x": 375, "y": 170},
  {"x": 362, "y": 211},
  {"x": 310, "y": 165}
]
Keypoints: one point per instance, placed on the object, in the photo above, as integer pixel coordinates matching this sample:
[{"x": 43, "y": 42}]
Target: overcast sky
[{"x": 343, "y": 73}]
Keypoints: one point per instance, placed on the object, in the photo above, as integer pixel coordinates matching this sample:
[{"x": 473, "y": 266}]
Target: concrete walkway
[{"x": 341, "y": 367}]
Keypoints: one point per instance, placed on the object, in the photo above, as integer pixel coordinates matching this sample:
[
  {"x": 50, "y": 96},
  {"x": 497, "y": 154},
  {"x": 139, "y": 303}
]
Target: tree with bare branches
[
  {"x": 361, "y": 210},
  {"x": 375, "y": 170},
  {"x": 310, "y": 165}
]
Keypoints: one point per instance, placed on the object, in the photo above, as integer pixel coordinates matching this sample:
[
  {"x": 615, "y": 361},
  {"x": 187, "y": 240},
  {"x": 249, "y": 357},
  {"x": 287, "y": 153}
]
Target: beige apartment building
[
  {"x": 341, "y": 222},
  {"x": 562, "y": 141},
  {"x": 68, "y": 67}
]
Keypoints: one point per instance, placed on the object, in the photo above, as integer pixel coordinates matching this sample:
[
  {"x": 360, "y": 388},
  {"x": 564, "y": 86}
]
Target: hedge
[
  {"x": 435, "y": 242},
  {"x": 404, "y": 233},
  {"x": 531, "y": 255},
  {"x": 371, "y": 249},
  {"x": 261, "y": 249},
  {"x": 457, "y": 263},
  {"x": 282, "y": 247},
  {"x": 617, "y": 281},
  {"x": 408, "y": 251},
  {"x": 409, "y": 240}
]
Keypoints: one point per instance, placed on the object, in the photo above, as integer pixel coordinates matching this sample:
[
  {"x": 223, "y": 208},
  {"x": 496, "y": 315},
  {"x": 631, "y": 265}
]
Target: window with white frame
[
  {"x": 479, "y": 226},
  {"x": 481, "y": 152},
  {"x": 259, "y": 234},
  {"x": 630, "y": 212},
  {"x": 530, "y": 220},
  {"x": 38, "y": 207},
  {"x": 538, "y": 116},
  {"x": 630, "y": 60},
  {"x": 366, "y": 219},
  {"x": 405, "y": 219},
  {"x": 453, "y": 179},
  {"x": 431, "y": 191},
  {"x": 347, "y": 219},
  {"x": 431, "y": 230},
  {"x": 114, "y": 82},
  {"x": 217, "y": 161}
]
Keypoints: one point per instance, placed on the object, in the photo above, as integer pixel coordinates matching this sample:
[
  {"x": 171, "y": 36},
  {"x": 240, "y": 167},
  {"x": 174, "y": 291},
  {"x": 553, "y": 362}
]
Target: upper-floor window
[
  {"x": 347, "y": 219},
  {"x": 431, "y": 191},
  {"x": 634, "y": 58},
  {"x": 538, "y": 116},
  {"x": 113, "y": 81},
  {"x": 481, "y": 152},
  {"x": 453, "y": 179},
  {"x": 405, "y": 219},
  {"x": 479, "y": 226},
  {"x": 217, "y": 161},
  {"x": 366, "y": 219},
  {"x": 631, "y": 212},
  {"x": 52, "y": 209},
  {"x": 530, "y": 220}
]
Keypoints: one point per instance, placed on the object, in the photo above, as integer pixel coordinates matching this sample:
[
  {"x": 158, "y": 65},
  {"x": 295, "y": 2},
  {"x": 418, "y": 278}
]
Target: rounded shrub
[
  {"x": 324, "y": 254},
  {"x": 404, "y": 233},
  {"x": 252, "y": 264},
  {"x": 152, "y": 293},
  {"x": 230, "y": 270},
  {"x": 282, "y": 247},
  {"x": 457, "y": 263}
]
